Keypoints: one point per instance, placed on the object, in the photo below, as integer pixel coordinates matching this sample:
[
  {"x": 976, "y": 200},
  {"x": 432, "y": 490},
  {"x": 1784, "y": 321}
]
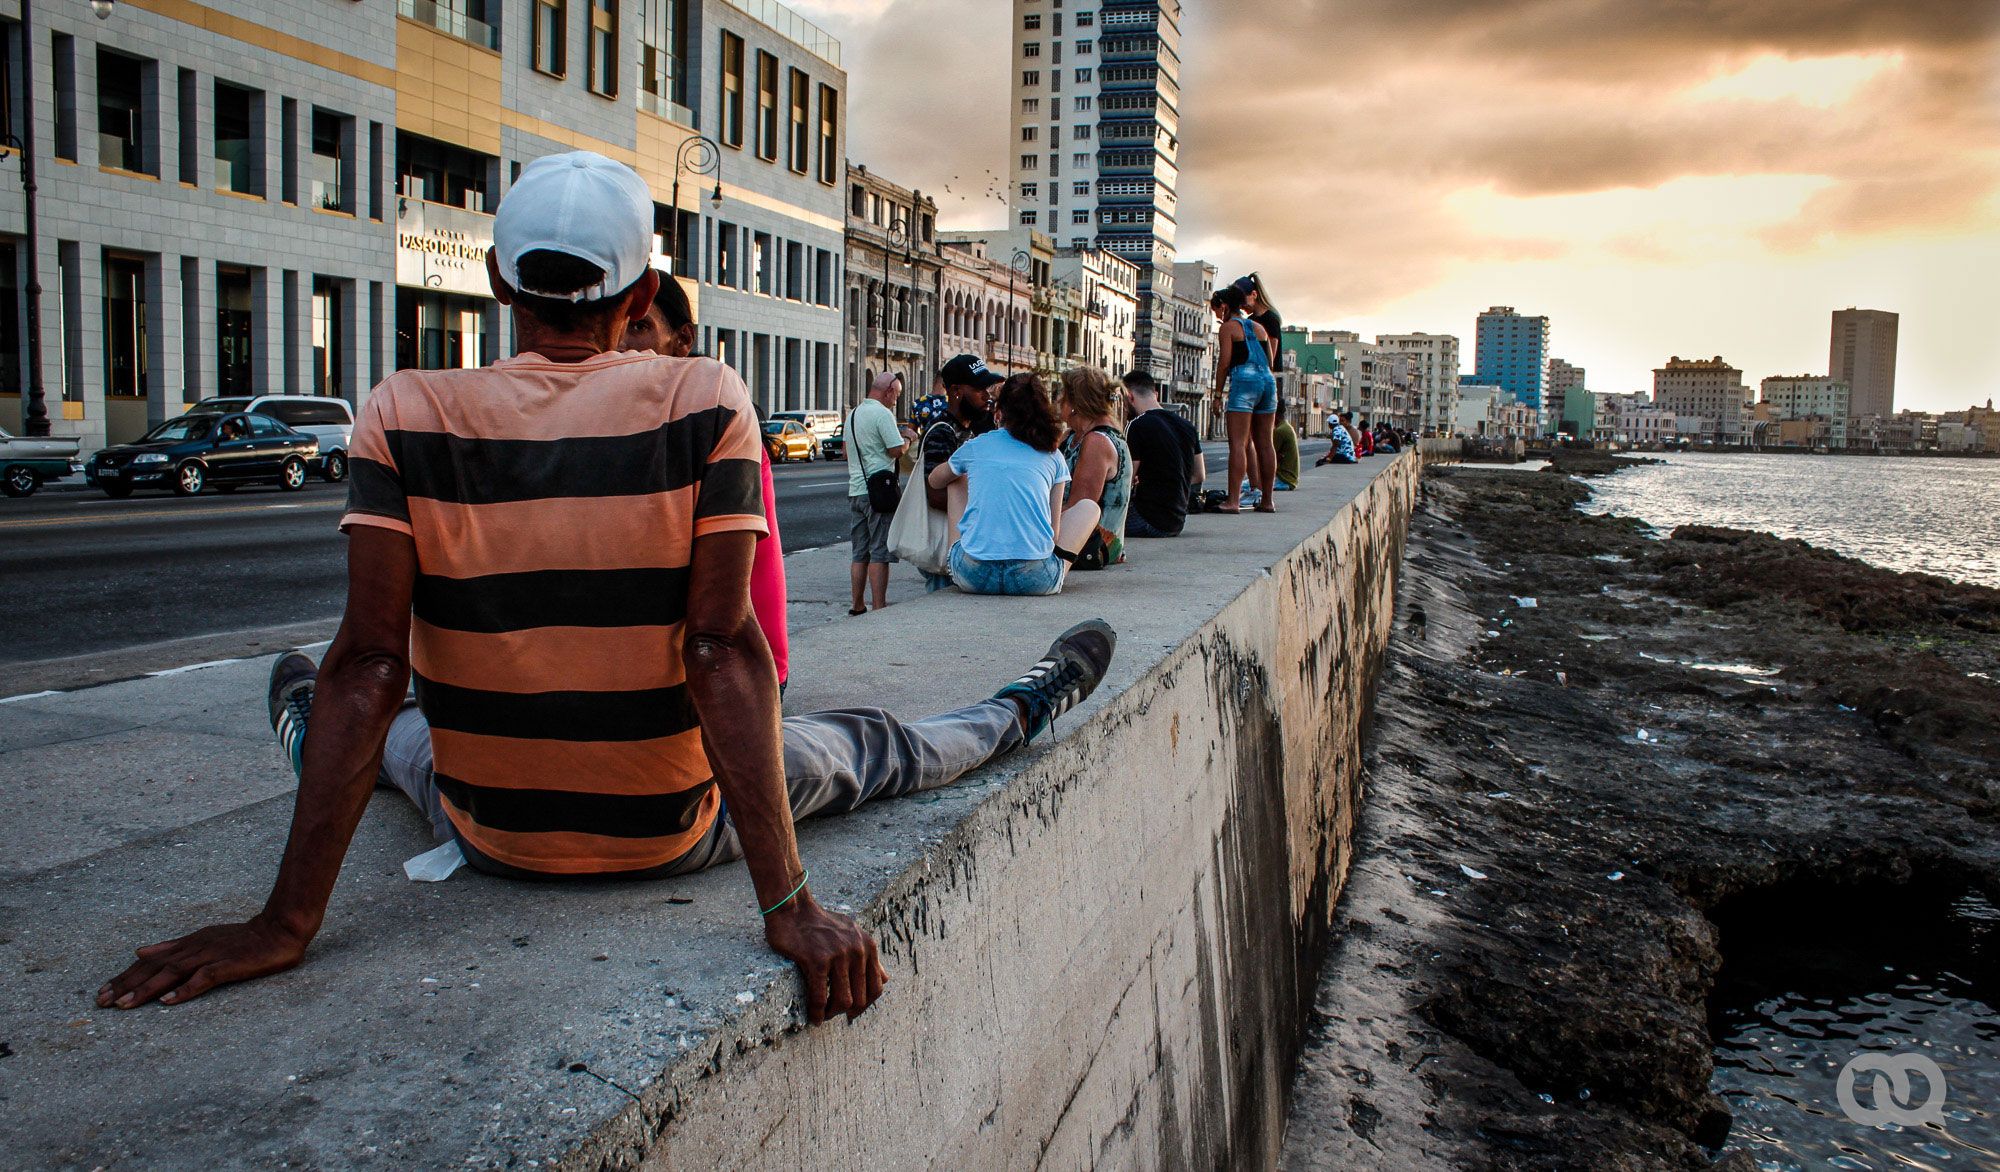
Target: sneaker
[
  {"x": 293, "y": 679},
  {"x": 1072, "y": 669}
]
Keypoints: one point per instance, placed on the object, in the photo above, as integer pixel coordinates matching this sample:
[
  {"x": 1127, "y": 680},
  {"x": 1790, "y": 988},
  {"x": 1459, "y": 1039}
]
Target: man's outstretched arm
[
  {"x": 361, "y": 685},
  {"x": 735, "y": 691}
]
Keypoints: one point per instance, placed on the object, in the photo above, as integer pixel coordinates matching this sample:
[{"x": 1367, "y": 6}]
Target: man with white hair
[
  {"x": 874, "y": 445},
  {"x": 558, "y": 546}
]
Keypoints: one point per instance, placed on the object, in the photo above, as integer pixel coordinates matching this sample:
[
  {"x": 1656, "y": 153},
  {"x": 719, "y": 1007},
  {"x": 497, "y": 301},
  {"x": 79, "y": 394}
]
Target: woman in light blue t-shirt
[{"x": 1005, "y": 489}]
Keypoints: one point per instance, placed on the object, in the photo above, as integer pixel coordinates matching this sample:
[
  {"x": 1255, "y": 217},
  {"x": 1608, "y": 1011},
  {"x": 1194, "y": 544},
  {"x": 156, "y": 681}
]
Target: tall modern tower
[
  {"x": 1863, "y": 355},
  {"x": 1513, "y": 354},
  {"x": 1096, "y": 117}
]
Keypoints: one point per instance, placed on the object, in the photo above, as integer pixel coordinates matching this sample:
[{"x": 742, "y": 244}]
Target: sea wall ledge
[{"x": 1099, "y": 950}]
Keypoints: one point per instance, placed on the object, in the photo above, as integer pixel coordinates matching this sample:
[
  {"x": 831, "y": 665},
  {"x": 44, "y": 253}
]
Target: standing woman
[
  {"x": 1243, "y": 375},
  {"x": 1100, "y": 465},
  {"x": 1257, "y": 303}
]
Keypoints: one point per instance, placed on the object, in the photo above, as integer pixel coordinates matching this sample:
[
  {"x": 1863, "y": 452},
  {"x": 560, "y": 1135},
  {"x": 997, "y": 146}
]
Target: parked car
[
  {"x": 820, "y": 423},
  {"x": 834, "y": 447},
  {"x": 324, "y": 416},
  {"x": 26, "y": 462},
  {"x": 199, "y": 449},
  {"x": 789, "y": 440}
]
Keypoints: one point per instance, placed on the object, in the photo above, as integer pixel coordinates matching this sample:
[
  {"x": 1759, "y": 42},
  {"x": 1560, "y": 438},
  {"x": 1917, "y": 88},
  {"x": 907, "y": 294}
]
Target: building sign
[{"x": 442, "y": 248}]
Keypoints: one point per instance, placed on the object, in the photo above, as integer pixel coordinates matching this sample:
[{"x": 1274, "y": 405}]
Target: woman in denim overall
[{"x": 1252, "y": 392}]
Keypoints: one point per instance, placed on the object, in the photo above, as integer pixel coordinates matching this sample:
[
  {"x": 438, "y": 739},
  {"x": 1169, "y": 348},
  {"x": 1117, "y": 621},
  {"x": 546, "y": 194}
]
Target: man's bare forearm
[
  {"x": 355, "y": 699},
  {"x": 734, "y": 686}
]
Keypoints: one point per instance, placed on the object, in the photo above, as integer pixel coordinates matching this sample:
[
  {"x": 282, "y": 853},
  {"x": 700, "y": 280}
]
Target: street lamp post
[
  {"x": 898, "y": 241},
  {"x": 1021, "y": 263},
  {"x": 698, "y": 155}
]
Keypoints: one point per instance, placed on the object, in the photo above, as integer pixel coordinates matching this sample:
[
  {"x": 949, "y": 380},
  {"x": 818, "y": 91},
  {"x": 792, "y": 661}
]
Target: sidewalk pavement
[{"x": 476, "y": 1020}]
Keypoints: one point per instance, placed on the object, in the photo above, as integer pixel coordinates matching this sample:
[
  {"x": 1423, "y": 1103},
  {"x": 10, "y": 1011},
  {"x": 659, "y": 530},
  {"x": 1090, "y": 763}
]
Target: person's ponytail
[{"x": 1025, "y": 411}]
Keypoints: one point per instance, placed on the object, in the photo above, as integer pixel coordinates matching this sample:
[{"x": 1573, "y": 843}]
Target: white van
[
  {"x": 822, "y": 424},
  {"x": 329, "y": 418}
]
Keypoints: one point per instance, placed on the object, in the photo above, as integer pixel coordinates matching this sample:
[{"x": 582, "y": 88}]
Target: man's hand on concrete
[
  {"x": 181, "y": 970},
  {"x": 838, "y": 961}
]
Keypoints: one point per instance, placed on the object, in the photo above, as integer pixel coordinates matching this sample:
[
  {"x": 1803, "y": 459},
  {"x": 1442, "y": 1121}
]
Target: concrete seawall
[
  {"x": 1108, "y": 957},
  {"x": 1098, "y": 948}
]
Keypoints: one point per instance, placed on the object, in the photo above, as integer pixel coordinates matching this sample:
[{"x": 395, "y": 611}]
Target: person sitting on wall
[
  {"x": 560, "y": 546},
  {"x": 1342, "y": 451}
]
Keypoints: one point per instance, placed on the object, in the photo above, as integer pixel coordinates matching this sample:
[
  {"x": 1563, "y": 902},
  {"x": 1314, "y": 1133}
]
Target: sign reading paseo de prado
[{"x": 442, "y": 248}]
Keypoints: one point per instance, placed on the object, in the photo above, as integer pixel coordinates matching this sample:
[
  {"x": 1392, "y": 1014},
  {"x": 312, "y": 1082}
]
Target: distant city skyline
[{"x": 1714, "y": 182}]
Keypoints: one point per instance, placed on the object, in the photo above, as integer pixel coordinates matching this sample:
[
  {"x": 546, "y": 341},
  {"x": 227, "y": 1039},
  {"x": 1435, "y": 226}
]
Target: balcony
[
  {"x": 1010, "y": 356},
  {"x": 446, "y": 18},
  {"x": 905, "y": 344},
  {"x": 795, "y": 28}
]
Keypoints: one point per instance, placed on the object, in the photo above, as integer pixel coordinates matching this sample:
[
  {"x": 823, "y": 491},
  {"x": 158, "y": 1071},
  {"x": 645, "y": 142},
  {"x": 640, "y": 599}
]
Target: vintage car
[{"x": 27, "y": 461}]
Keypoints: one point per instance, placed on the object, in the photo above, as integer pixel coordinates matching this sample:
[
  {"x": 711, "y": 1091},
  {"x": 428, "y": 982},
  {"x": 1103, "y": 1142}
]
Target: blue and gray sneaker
[
  {"x": 292, "y": 681},
  {"x": 1072, "y": 669}
]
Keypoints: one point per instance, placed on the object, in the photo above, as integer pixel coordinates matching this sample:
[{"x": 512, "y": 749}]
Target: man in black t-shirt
[{"x": 1167, "y": 466}]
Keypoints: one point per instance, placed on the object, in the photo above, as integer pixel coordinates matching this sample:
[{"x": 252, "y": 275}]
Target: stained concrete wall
[{"x": 1108, "y": 960}]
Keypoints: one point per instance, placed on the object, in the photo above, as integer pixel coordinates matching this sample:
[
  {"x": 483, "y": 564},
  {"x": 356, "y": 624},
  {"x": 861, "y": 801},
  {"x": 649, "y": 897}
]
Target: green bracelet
[{"x": 788, "y": 898}]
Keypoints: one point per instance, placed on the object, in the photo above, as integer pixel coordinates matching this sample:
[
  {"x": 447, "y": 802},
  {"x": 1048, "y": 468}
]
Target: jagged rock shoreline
[{"x": 1585, "y": 739}]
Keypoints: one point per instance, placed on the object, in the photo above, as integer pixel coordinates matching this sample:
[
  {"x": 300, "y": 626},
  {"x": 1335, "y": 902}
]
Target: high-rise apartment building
[
  {"x": 1563, "y": 378},
  {"x": 1862, "y": 354},
  {"x": 1707, "y": 389},
  {"x": 1433, "y": 374},
  {"x": 1513, "y": 353},
  {"x": 1096, "y": 135}
]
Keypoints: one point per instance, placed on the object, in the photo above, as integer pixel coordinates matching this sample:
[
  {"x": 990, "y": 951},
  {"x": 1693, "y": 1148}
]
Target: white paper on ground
[{"x": 435, "y": 866}]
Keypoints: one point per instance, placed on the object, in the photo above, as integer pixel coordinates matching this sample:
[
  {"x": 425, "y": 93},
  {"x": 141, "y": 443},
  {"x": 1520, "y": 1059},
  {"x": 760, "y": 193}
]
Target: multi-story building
[
  {"x": 1195, "y": 330},
  {"x": 1976, "y": 429},
  {"x": 1434, "y": 372},
  {"x": 1096, "y": 129},
  {"x": 1108, "y": 286},
  {"x": 1562, "y": 378},
  {"x": 1512, "y": 351},
  {"x": 987, "y": 301},
  {"x": 1810, "y": 397},
  {"x": 300, "y": 199},
  {"x": 893, "y": 278},
  {"x": 1707, "y": 388},
  {"x": 1485, "y": 410},
  {"x": 1862, "y": 354}
]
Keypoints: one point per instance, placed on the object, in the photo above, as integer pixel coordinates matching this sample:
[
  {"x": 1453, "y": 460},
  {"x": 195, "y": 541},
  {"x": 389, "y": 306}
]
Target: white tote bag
[{"x": 919, "y": 534}]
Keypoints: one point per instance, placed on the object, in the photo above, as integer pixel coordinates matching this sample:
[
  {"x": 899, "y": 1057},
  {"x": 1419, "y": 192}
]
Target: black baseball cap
[{"x": 967, "y": 370}]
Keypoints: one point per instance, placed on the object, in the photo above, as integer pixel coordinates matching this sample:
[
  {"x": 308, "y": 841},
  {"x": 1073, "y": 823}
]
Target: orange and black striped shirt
[{"x": 554, "y": 508}]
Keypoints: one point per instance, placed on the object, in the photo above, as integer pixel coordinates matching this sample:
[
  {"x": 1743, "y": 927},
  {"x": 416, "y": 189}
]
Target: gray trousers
[{"x": 834, "y": 762}]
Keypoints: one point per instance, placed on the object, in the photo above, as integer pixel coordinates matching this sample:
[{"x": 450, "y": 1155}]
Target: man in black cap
[{"x": 968, "y": 393}]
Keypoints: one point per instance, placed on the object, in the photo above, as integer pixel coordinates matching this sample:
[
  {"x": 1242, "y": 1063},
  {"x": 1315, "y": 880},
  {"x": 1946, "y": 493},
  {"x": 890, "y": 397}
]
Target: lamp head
[
  {"x": 101, "y": 9},
  {"x": 715, "y": 198}
]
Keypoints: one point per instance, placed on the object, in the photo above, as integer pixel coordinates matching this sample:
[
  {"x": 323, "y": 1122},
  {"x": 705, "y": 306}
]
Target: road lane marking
[
  {"x": 183, "y": 669},
  {"x": 102, "y": 518},
  {"x": 30, "y": 696}
]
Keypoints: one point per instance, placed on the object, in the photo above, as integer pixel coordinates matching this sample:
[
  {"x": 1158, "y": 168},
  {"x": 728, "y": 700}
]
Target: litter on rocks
[
  {"x": 1526, "y": 603},
  {"x": 435, "y": 866},
  {"x": 1470, "y": 873}
]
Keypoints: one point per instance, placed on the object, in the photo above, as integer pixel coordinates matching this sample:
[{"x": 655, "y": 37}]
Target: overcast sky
[{"x": 1694, "y": 177}]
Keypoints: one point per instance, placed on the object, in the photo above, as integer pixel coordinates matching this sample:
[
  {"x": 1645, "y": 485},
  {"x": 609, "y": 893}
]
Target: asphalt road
[{"x": 98, "y": 589}]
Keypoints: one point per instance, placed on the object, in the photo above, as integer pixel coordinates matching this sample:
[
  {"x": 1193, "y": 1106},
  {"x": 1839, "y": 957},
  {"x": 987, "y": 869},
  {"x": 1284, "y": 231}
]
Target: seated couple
[
  {"x": 1023, "y": 510},
  {"x": 559, "y": 547}
]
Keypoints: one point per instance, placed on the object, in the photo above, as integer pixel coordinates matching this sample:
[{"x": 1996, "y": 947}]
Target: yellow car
[{"x": 787, "y": 441}]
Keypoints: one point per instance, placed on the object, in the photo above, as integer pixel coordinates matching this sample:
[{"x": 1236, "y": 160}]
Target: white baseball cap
[{"x": 580, "y": 204}]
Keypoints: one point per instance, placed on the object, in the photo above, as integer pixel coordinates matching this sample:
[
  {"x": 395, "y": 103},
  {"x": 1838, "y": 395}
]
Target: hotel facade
[{"x": 292, "y": 197}]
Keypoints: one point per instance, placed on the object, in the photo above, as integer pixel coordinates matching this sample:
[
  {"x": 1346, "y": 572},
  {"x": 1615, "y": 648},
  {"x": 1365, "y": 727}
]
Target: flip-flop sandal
[{"x": 853, "y": 613}]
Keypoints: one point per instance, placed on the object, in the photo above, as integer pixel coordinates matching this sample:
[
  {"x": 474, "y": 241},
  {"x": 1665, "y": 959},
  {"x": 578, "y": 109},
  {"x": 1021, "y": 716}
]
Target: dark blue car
[{"x": 196, "y": 451}]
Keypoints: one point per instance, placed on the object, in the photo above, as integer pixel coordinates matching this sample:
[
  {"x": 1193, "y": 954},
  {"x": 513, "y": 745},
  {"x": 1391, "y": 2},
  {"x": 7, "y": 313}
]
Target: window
[
  {"x": 550, "y": 31},
  {"x": 1082, "y": 132},
  {"x": 1031, "y": 133},
  {"x": 663, "y": 28},
  {"x": 1083, "y": 76},
  {"x": 1086, "y": 19},
  {"x": 234, "y": 336},
  {"x": 1079, "y": 242},
  {"x": 1081, "y": 187},
  {"x": 1031, "y": 77},
  {"x": 829, "y": 135},
  {"x": 238, "y": 140},
  {"x": 124, "y": 115},
  {"x": 1031, "y": 162},
  {"x": 728, "y": 253},
  {"x": 329, "y": 334},
  {"x": 1028, "y": 218},
  {"x": 1055, "y": 53},
  {"x": 822, "y": 277},
  {"x": 1083, "y": 48},
  {"x": 1031, "y": 49},
  {"x": 1056, "y": 23},
  {"x": 1085, "y": 103},
  {"x": 1081, "y": 159},
  {"x": 801, "y": 159},
  {"x": 124, "y": 326},
  {"x": 764, "y": 262},
  {"x": 468, "y": 20},
  {"x": 767, "y": 106},
  {"x": 1030, "y": 190},
  {"x": 1055, "y": 165},
  {"x": 732, "y": 89},
  {"x": 857, "y": 202},
  {"x": 795, "y": 271},
  {"x": 603, "y": 45},
  {"x": 438, "y": 172},
  {"x": 1031, "y": 105},
  {"x": 1032, "y": 21},
  {"x": 330, "y": 167},
  {"x": 1080, "y": 216}
]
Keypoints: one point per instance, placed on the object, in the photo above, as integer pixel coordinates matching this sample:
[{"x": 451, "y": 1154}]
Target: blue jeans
[
  {"x": 1033, "y": 577},
  {"x": 1253, "y": 391},
  {"x": 1137, "y": 526}
]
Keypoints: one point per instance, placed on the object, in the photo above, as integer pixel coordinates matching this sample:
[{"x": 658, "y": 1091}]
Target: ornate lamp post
[
  {"x": 898, "y": 241},
  {"x": 698, "y": 155},
  {"x": 1020, "y": 264}
]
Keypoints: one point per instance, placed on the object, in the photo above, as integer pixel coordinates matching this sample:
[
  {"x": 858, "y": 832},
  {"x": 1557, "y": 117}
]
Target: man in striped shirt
[{"x": 558, "y": 548}]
